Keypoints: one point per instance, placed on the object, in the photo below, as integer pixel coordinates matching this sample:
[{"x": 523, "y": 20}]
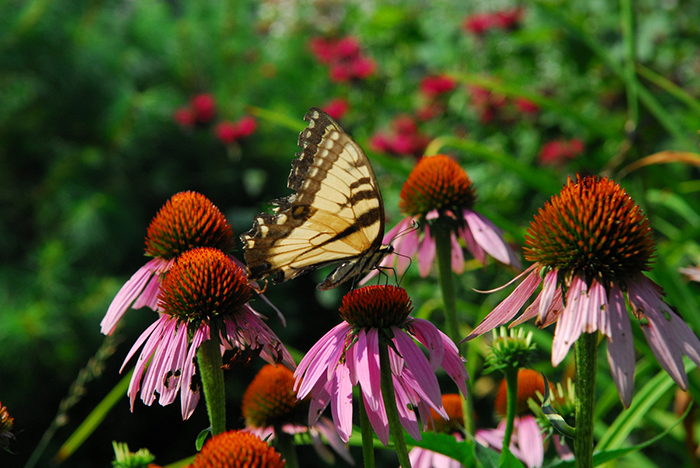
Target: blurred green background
[{"x": 90, "y": 150}]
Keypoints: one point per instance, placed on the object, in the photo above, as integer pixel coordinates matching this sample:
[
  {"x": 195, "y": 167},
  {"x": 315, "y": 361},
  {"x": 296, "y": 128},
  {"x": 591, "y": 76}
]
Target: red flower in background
[
  {"x": 434, "y": 86},
  {"x": 559, "y": 151},
  {"x": 486, "y": 103},
  {"x": 204, "y": 107},
  {"x": 404, "y": 139},
  {"x": 185, "y": 117},
  {"x": 337, "y": 108},
  {"x": 526, "y": 106},
  {"x": 344, "y": 58},
  {"x": 479, "y": 23},
  {"x": 228, "y": 131}
]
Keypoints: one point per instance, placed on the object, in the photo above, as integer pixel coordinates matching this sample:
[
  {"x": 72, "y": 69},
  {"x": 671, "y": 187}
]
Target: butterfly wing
[{"x": 336, "y": 214}]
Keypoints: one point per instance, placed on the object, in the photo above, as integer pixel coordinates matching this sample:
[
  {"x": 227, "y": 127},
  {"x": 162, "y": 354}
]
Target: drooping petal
[
  {"x": 379, "y": 421},
  {"x": 457, "y": 255},
  {"x": 426, "y": 253},
  {"x": 429, "y": 336},
  {"x": 490, "y": 237},
  {"x": 472, "y": 245},
  {"x": 530, "y": 441},
  {"x": 404, "y": 405},
  {"x": 572, "y": 320},
  {"x": 173, "y": 360},
  {"x": 326, "y": 428},
  {"x": 510, "y": 306},
  {"x": 419, "y": 365},
  {"x": 367, "y": 352},
  {"x": 341, "y": 404},
  {"x": 621, "y": 346},
  {"x": 646, "y": 301},
  {"x": 320, "y": 398},
  {"x": 316, "y": 362},
  {"x": 546, "y": 297},
  {"x": 149, "y": 295},
  {"x": 128, "y": 294},
  {"x": 189, "y": 391}
]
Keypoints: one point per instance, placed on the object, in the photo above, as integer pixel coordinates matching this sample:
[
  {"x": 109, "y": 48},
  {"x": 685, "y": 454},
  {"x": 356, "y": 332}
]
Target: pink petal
[
  {"x": 530, "y": 441},
  {"x": 457, "y": 255},
  {"x": 341, "y": 405},
  {"x": 326, "y": 428},
  {"x": 546, "y": 297},
  {"x": 621, "y": 346},
  {"x": 316, "y": 362},
  {"x": 429, "y": 336},
  {"x": 189, "y": 396},
  {"x": 379, "y": 421},
  {"x": 419, "y": 365},
  {"x": 572, "y": 320},
  {"x": 149, "y": 295},
  {"x": 510, "y": 306},
  {"x": 472, "y": 246},
  {"x": 368, "y": 374},
  {"x": 126, "y": 295},
  {"x": 644, "y": 296},
  {"x": 490, "y": 237},
  {"x": 426, "y": 253}
]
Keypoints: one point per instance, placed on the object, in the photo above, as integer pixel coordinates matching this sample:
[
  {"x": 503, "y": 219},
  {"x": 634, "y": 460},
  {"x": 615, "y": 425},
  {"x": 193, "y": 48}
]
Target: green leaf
[{"x": 202, "y": 437}]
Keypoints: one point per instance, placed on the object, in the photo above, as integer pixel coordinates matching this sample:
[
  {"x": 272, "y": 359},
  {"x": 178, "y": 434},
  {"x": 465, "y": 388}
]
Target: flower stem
[
  {"x": 586, "y": 363},
  {"x": 443, "y": 247},
  {"x": 286, "y": 447},
  {"x": 392, "y": 412},
  {"x": 367, "y": 436},
  {"x": 511, "y": 374},
  {"x": 209, "y": 358}
]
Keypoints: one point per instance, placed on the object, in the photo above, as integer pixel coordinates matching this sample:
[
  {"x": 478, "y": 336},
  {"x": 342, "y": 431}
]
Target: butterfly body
[{"x": 335, "y": 216}]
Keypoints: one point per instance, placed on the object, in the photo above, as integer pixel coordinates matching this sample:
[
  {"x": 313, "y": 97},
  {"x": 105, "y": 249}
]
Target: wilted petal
[
  {"x": 644, "y": 297},
  {"x": 572, "y": 320},
  {"x": 510, "y": 306},
  {"x": 621, "y": 346}
]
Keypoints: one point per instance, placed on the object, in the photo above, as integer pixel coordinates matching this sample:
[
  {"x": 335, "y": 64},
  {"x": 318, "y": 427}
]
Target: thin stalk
[
  {"x": 367, "y": 435},
  {"x": 443, "y": 249},
  {"x": 627, "y": 19},
  {"x": 286, "y": 447},
  {"x": 511, "y": 374},
  {"x": 392, "y": 412},
  {"x": 586, "y": 363},
  {"x": 209, "y": 359}
]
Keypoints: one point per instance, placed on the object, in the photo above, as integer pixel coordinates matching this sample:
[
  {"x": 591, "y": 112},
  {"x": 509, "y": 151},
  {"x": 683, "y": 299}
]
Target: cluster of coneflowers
[
  {"x": 201, "y": 113},
  {"x": 590, "y": 246}
]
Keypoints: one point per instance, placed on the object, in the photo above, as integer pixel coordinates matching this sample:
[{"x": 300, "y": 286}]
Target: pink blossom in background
[
  {"x": 185, "y": 117},
  {"x": 337, "y": 108},
  {"x": 560, "y": 151},
  {"x": 204, "y": 107}
]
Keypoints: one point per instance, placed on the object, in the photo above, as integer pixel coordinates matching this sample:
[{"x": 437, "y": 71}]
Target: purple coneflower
[
  {"x": 349, "y": 355},
  {"x": 438, "y": 194},
  {"x": 186, "y": 221},
  {"x": 591, "y": 244},
  {"x": 270, "y": 404},
  {"x": 204, "y": 297}
]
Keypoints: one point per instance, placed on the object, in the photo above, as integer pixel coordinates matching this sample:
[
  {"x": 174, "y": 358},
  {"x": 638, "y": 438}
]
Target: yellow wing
[{"x": 336, "y": 214}]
